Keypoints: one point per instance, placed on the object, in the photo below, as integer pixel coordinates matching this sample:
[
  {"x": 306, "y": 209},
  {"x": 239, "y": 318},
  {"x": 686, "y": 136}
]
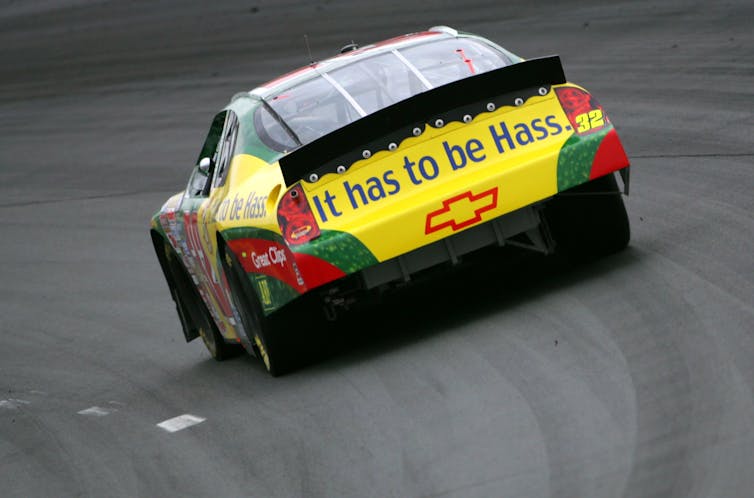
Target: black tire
[
  {"x": 193, "y": 313},
  {"x": 215, "y": 343},
  {"x": 269, "y": 335},
  {"x": 589, "y": 221}
]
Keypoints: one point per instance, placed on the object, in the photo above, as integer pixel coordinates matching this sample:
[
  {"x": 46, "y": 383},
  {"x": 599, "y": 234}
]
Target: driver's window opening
[
  {"x": 200, "y": 179},
  {"x": 225, "y": 149}
]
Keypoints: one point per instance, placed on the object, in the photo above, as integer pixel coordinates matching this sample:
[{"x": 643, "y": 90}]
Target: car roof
[{"x": 344, "y": 59}]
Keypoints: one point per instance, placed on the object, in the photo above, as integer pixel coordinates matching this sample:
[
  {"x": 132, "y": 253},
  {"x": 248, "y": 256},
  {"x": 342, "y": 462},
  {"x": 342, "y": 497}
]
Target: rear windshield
[{"x": 316, "y": 107}]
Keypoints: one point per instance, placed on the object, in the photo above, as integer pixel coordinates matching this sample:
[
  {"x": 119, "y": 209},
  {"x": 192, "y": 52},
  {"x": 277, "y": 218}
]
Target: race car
[{"x": 351, "y": 175}]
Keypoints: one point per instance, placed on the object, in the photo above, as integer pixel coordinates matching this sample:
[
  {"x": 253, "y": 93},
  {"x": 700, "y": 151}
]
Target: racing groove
[{"x": 631, "y": 376}]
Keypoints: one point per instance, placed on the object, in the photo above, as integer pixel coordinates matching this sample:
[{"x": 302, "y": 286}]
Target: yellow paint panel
[
  {"x": 241, "y": 202},
  {"x": 250, "y": 195},
  {"x": 385, "y": 200}
]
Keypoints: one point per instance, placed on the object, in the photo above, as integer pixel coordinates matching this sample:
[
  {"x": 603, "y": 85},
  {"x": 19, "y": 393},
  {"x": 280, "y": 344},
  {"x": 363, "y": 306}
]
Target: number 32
[{"x": 590, "y": 120}]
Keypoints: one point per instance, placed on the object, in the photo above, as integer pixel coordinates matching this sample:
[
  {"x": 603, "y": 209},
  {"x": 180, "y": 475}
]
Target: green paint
[
  {"x": 340, "y": 249},
  {"x": 576, "y": 158},
  {"x": 157, "y": 226},
  {"x": 252, "y": 233},
  {"x": 278, "y": 291},
  {"x": 248, "y": 141}
]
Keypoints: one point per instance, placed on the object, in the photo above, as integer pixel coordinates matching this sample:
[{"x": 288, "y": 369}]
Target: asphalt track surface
[{"x": 630, "y": 377}]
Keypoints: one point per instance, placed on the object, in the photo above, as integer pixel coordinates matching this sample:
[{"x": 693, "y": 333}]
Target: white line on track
[
  {"x": 12, "y": 403},
  {"x": 180, "y": 422},
  {"x": 96, "y": 411}
]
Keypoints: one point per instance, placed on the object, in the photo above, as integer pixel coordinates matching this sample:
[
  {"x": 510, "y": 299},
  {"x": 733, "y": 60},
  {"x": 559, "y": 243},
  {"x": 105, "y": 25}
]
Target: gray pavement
[{"x": 629, "y": 377}]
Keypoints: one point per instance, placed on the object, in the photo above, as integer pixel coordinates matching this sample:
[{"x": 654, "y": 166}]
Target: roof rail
[
  {"x": 444, "y": 29},
  {"x": 239, "y": 95}
]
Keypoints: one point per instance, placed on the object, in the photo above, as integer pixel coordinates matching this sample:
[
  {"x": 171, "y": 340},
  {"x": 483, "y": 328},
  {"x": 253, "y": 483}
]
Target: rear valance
[{"x": 456, "y": 101}]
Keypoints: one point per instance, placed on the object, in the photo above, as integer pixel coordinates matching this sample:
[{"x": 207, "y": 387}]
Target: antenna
[{"x": 308, "y": 49}]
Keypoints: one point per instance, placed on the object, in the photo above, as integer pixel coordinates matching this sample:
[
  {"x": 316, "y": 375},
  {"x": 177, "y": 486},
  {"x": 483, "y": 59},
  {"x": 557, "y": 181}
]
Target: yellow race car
[{"x": 357, "y": 172}]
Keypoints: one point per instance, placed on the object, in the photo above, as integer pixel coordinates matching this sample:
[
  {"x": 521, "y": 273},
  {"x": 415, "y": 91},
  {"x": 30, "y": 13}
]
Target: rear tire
[
  {"x": 589, "y": 221},
  {"x": 269, "y": 336},
  {"x": 216, "y": 345},
  {"x": 193, "y": 313}
]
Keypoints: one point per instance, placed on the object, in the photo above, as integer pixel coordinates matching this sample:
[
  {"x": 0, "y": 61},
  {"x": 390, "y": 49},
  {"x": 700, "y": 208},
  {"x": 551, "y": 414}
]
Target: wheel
[
  {"x": 269, "y": 336},
  {"x": 589, "y": 221},
  {"x": 193, "y": 313},
  {"x": 215, "y": 343}
]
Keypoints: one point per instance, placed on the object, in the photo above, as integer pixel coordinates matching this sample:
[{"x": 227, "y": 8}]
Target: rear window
[
  {"x": 336, "y": 98},
  {"x": 378, "y": 82},
  {"x": 446, "y": 61}
]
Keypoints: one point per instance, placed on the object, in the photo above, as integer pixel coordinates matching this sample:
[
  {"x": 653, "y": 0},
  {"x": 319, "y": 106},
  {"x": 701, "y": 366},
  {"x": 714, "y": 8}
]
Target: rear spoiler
[{"x": 388, "y": 127}]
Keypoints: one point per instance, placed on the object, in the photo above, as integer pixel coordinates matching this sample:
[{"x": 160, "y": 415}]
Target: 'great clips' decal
[{"x": 267, "y": 257}]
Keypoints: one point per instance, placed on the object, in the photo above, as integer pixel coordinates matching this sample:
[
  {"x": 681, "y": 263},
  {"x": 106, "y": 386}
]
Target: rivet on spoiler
[
  {"x": 518, "y": 101},
  {"x": 439, "y": 123},
  {"x": 490, "y": 106},
  {"x": 313, "y": 177},
  {"x": 366, "y": 154},
  {"x": 392, "y": 146},
  {"x": 467, "y": 118},
  {"x": 417, "y": 131},
  {"x": 340, "y": 169},
  {"x": 542, "y": 90}
]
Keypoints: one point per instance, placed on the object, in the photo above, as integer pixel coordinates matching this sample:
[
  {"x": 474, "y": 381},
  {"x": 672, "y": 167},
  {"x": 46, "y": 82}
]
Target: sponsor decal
[
  {"x": 301, "y": 232},
  {"x": 170, "y": 226},
  {"x": 195, "y": 257},
  {"x": 270, "y": 258},
  {"x": 461, "y": 211},
  {"x": 444, "y": 157},
  {"x": 242, "y": 207},
  {"x": 273, "y": 256},
  {"x": 264, "y": 290}
]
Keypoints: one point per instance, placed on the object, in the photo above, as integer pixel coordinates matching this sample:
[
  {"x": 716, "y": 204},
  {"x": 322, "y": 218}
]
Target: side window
[
  {"x": 198, "y": 185},
  {"x": 271, "y": 132},
  {"x": 197, "y": 182},
  {"x": 209, "y": 149},
  {"x": 225, "y": 149}
]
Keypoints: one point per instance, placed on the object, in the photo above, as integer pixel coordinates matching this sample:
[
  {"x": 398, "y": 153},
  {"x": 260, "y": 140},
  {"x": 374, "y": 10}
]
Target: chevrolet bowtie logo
[{"x": 461, "y": 211}]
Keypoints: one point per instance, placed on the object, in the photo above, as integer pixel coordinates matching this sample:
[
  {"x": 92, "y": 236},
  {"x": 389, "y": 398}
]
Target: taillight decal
[
  {"x": 296, "y": 218},
  {"x": 582, "y": 109}
]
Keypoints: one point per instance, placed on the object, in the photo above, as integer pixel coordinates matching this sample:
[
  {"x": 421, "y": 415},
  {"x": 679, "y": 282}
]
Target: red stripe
[
  {"x": 317, "y": 271},
  {"x": 610, "y": 156}
]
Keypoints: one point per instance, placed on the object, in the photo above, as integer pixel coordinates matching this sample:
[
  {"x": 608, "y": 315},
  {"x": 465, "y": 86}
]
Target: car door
[{"x": 205, "y": 191}]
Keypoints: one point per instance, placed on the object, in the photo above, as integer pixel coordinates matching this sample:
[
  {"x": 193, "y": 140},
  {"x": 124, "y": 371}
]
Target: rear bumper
[{"x": 525, "y": 222}]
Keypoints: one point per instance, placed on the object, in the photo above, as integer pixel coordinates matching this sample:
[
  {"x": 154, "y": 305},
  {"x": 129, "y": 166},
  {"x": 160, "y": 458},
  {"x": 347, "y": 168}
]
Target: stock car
[{"x": 352, "y": 174}]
